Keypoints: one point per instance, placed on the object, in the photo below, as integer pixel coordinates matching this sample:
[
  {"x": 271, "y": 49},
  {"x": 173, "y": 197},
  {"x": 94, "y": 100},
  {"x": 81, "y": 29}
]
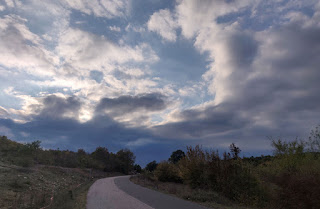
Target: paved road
[{"x": 121, "y": 193}]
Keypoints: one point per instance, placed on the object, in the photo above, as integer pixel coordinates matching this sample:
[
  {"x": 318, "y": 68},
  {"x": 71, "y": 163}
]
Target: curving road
[{"x": 121, "y": 193}]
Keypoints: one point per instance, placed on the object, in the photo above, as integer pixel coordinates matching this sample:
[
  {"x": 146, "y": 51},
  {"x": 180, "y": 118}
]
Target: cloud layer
[{"x": 210, "y": 72}]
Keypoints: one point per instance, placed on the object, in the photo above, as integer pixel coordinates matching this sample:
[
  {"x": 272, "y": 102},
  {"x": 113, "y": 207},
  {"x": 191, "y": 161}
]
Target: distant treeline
[
  {"x": 31, "y": 153},
  {"x": 288, "y": 179}
]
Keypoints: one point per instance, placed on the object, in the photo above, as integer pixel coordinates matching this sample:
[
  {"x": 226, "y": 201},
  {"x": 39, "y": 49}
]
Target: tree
[
  {"x": 35, "y": 145},
  {"x": 137, "y": 168},
  {"x": 235, "y": 151},
  {"x": 101, "y": 154},
  {"x": 126, "y": 160},
  {"x": 176, "y": 156},
  {"x": 83, "y": 159},
  {"x": 151, "y": 166}
]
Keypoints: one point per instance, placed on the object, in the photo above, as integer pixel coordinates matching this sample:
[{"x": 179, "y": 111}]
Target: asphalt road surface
[{"x": 121, "y": 193}]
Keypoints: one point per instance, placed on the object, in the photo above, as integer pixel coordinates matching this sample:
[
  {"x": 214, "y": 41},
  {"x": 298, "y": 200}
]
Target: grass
[
  {"x": 41, "y": 186},
  {"x": 76, "y": 198},
  {"x": 204, "y": 197}
]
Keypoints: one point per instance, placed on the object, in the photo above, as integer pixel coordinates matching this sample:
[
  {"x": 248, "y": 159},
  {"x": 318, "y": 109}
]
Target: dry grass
[
  {"x": 203, "y": 197},
  {"x": 35, "y": 187}
]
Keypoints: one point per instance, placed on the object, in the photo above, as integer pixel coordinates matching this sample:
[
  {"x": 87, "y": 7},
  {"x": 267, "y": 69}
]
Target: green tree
[
  {"x": 101, "y": 154},
  {"x": 151, "y": 166},
  {"x": 137, "y": 168},
  {"x": 126, "y": 160},
  {"x": 176, "y": 156}
]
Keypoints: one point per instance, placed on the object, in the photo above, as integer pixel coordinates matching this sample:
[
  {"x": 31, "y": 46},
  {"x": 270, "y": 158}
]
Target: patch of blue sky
[
  {"x": 20, "y": 83},
  {"x": 98, "y": 25},
  {"x": 9, "y": 101},
  {"x": 180, "y": 61},
  {"x": 141, "y": 10},
  {"x": 156, "y": 118},
  {"x": 5, "y": 12},
  {"x": 96, "y": 75}
]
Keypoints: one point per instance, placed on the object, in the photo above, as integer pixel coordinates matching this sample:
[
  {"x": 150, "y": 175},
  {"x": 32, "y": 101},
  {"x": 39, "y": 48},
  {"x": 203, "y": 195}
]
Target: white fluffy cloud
[
  {"x": 85, "y": 50},
  {"x": 163, "y": 23},
  {"x": 22, "y": 49},
  {"x": 194, "y": 16}
]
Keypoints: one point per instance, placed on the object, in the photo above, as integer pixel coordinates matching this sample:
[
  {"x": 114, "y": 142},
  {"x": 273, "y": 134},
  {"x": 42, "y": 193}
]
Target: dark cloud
[
  {"x": 197, "y": 124},
  {"x": 70, "y": 134},
  {"x": 57, "y": 107},
  {"x": 127, "y": 104},
  {"x": 242, "y": 49}
]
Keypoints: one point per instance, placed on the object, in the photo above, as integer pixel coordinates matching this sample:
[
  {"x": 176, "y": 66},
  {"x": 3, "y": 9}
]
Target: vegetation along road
[{"x": 121, "y": 193}]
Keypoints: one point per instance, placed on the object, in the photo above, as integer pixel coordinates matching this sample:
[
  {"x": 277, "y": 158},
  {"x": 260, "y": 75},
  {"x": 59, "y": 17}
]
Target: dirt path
[{"x": 121, "y": 193}]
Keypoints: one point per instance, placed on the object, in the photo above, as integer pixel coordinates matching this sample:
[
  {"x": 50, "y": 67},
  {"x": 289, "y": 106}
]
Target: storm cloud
[
  {"x": 128, "y": 104},
  {"x": 58, "y": 107}
]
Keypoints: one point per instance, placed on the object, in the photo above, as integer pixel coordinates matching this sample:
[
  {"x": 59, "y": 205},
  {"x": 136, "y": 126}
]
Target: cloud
[
  {"x": 3, "y": 112},
  {"x": 163, "y": 23},
  {"x": 115, "y": 28},
  {"x": 85, "y": 83},
  {"x": 264, "y": 82},
  {"x": 193, "y": 16},
  {"x": 2, "y": 8},
  {"x": 129, "y": 104},
  {"x": 58, "y": 107},
  {"x": 202, "y": 122},
  {"x": 84, "y": 50},
  {"x": 67, "y": 133},
  {"x": 23, "y": 49},
  {"x": 140, "y": 142}
]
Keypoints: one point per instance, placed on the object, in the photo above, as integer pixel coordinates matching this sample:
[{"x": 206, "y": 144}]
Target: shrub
[
  {"x": 230, "y": 176},
  {"x": 192, "y": 167},
  {"x": 25, "y": 161},
  {"x": 151, "y": 166},
  {"x": 167, "y": 172},
  {"x": 298, "y": 190},
  {"x": 293, "y": 175}
]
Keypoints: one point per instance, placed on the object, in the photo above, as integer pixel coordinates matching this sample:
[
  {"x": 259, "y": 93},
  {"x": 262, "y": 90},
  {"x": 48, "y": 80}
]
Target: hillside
[{"x": 31, "y": 177}]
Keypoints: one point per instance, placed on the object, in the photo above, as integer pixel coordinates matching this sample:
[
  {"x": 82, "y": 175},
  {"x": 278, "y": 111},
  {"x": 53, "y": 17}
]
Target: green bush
[
  {"x": 230, "y": 176},
  {"x": 193, "y": 167},
  {"x": 293, "y": 176},
  {"x": 167, "y": 172},
  {"x": 151, "y": 166}
]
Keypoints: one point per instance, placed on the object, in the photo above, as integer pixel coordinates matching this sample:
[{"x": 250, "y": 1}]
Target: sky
[{"x": 159, "y": 75}]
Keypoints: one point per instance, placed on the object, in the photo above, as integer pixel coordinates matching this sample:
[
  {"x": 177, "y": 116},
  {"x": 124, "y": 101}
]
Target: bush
[
  {"x": 298, "y": 190},
  {"x": 293, "y": 176},
  {"x": 25, "y": 162},
  {"x": 151, "y": 166},
  {"x": 230, "y": 176},
  {"x": 192, "y": 167},
  {"x": 167, "y": 172}
]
